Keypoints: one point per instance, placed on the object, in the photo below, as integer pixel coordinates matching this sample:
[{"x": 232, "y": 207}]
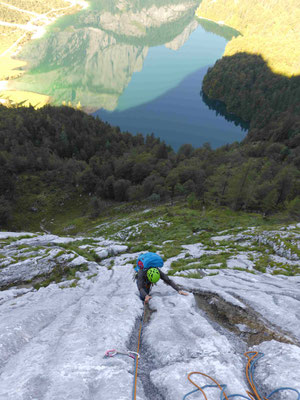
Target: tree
[
  {"x": 120, "y": 188},
  {"x": 240, "y": 186},
  {"x": 185, "y": 151},
  {"x": 109, "y": 187},
  {"x": 294, "y": 208},
  {"x": 5, "y": 212},
  {"x": 88, "y": 180}
]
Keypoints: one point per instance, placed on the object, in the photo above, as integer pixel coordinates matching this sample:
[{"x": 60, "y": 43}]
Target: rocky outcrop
[{"x": 49, "y": 257}]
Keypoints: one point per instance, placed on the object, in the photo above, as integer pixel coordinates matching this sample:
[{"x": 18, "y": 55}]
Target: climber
[{"x": 149, "y": 272}]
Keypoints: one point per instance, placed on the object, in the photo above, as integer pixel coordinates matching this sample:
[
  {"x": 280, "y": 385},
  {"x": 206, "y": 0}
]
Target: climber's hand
[
  {"x": 183, "y": 293},
  {"x": 147, "y": 298}
]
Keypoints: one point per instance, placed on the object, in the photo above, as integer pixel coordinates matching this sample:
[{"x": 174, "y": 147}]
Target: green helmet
[{"x": 153, "y": 275}]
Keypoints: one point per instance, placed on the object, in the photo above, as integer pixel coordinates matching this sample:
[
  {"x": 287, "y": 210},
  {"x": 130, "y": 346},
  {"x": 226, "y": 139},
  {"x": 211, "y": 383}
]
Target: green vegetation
[
  {"x": 207, "y": 261},
  {"x": 249, "y": 81},
  {"x": 91, "y": 276},
  {"x": 169, "y": 229},
  {"x": 88, "y": 254},
  {"x": 182, "y": 226},
  {"x": 270, "y": 29},
  {"x": 58, "y": 164},
  {"x": 59, "y": 274}
]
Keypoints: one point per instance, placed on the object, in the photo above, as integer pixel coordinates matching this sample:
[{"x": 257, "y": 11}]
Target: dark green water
[{"x": 138, "y": 64}]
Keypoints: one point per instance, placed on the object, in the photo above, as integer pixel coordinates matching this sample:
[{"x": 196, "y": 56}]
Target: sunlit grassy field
[
  {"x": 10, "y": 68},
  {"x": 270, "y": 29},
  {"x": 15, "y": 97},
  {"x": 12, "y": 38}
]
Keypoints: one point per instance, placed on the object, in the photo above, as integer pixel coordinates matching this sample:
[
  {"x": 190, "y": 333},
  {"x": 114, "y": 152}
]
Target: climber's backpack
[{"x": 148, "y": 260}]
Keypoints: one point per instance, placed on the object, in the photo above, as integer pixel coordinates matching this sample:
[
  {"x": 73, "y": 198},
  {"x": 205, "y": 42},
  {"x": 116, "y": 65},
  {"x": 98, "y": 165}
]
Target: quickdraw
[
  {"x": 114, "y": 352},
  {"x": 132, "y": 354}
]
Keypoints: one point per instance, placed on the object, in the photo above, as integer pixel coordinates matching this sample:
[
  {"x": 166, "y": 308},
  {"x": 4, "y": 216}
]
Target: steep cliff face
[{"x": 269, "y": 28}]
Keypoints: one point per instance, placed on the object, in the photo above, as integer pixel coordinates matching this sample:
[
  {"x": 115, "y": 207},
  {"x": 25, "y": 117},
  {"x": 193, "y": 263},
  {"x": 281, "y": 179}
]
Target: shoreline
[{"x": 211, "y": 20}]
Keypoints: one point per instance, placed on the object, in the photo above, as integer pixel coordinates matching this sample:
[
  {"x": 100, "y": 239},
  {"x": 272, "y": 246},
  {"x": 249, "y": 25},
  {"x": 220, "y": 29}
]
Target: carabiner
[
  {"x": 110, "y": 353},
  {"x": 133, "y": 354}
]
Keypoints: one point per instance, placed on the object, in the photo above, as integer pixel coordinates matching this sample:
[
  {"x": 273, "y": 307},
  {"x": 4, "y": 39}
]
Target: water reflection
[
  {"x": 91, "y": 57},
  {"x": 220, "y": 109},
  {"x": 179, "y": 116},
  {"x": 135, "y": 63}
]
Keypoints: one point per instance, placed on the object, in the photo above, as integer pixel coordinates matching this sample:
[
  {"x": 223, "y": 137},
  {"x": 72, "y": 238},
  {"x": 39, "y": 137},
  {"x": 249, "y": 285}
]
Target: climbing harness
[
  {"x": 253, "y": 357},
  {"x": 133, "y": 354}
]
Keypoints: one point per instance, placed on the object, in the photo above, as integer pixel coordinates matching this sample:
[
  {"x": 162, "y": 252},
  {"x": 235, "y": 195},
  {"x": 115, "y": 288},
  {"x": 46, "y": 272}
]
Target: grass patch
[
  {"x": 24, "y": 98},
  {"x": 171, "y": 250},
  {"x": 213, "y": 274},
  {"x": 244, "y": 270},
  {"x": 142, "y": 248},
  {"x": 193, "y": 275},
  {"x": 59, "y": 273},
  {"x": 288, "y": 270},
  {"x": 73, "y": 247},
  {"x": 91, "y": 276},
  {"x": 204, "y": 262}
]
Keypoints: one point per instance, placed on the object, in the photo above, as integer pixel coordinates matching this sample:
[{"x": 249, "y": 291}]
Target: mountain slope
[{"x": 54, "y": 338}]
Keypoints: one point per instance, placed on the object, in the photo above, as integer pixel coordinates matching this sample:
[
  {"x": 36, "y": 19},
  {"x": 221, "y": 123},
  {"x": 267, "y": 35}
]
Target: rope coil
[{"x": 253, "y": 357}]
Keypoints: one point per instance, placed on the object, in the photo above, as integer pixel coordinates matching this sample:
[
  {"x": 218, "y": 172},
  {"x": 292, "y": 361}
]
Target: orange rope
[
  {"x": 253, "y": 396},
  {"x": 199, "y": 388}
]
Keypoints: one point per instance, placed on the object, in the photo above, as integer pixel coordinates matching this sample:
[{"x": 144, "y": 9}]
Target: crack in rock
[
  {"x": 147, "y": 362},
  {"x": 244, "y": 323}
]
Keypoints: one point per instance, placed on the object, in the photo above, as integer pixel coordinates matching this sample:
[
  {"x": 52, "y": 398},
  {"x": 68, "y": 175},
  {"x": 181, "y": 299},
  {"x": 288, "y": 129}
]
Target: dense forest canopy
[
  {"x": 63, "y": 148},
  {"x": 270, "y": 102},
  {"x": 269, "y": 28}
]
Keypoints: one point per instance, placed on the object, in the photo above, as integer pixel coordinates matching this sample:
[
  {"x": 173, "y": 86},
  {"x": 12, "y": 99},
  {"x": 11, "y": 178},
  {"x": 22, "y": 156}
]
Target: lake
[{"x": 138, "y": 64}]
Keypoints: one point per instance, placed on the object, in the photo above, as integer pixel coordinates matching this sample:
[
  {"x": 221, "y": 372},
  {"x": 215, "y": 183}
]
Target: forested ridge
[
  {"x": 258, "y": 78},
  {"x": 270, "y": 102},
  {"x": 65, "y": 149}
]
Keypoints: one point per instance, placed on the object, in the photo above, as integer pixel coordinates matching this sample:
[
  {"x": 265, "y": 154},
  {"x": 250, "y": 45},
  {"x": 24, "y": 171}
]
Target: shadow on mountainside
[{"x": 251, "y": 91}]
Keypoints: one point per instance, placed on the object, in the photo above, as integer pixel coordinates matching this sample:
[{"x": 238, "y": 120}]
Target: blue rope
[
  {"x": 197, "y": 390},
  {"x": 251, "y": 373},
  {"x": 285, "y": 388}
]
